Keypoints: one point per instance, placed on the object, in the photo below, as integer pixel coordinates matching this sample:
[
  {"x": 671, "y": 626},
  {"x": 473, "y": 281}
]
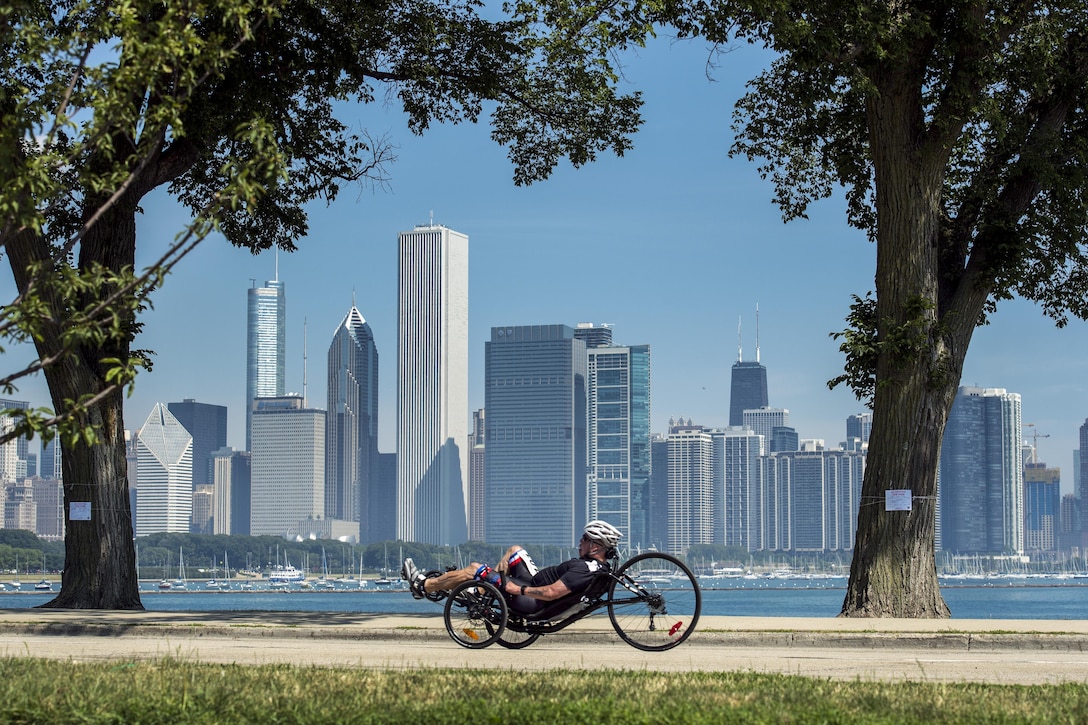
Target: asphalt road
[{"x": 1023, "y": 652}]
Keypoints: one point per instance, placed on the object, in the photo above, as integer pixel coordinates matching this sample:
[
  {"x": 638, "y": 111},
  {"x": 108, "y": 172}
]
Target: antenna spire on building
[
  {"x": 740, "y": 349},
  {"x": 304, "y": 362},
  {"x": 757, "y": 332}
]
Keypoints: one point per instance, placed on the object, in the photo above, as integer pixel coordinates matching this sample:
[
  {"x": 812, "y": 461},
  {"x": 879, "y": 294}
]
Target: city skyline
[{"x": 670, "y": 244}]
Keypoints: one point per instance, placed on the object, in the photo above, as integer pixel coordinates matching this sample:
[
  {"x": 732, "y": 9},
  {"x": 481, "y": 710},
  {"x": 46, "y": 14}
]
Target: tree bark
[
  {"x": 893, "y": 571},
  {"x": 100, "y": 561}
]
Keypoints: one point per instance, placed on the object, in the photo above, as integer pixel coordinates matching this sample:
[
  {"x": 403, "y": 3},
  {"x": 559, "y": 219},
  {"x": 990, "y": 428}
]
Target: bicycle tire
[
  {"x": 475, "y": 614},
  {"x": 513, "y": 639},
  {"x": 650, "y": 588}
]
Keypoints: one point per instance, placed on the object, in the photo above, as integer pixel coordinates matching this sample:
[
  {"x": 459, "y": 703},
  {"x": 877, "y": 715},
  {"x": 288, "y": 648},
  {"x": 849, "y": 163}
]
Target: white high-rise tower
[
  {"x": 266, "y": 344},
  {"x": 164, "y": 460},
  {"x": 432, "y": 385}
]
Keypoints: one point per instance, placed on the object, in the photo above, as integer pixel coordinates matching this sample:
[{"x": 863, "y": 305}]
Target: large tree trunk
[
  {"x": 893, "y": 572},
  {"x": 100, "y": 561},
  {"x": 100, "y": 558}
]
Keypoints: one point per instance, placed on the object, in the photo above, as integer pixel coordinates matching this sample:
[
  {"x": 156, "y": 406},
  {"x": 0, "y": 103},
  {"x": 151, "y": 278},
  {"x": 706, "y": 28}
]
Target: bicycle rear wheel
[
  {"x": 512, "y": 639},
  {"x": 475, "y": 614},
  {"x": 654, "y": 603}
]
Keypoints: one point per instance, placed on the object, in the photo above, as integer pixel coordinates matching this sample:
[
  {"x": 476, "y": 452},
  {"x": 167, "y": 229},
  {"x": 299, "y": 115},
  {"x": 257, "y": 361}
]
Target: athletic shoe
[{"x": 415, "y": 578}]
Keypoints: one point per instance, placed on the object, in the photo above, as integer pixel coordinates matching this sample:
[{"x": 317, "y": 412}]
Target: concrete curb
[{"x": 400, "y": 628}]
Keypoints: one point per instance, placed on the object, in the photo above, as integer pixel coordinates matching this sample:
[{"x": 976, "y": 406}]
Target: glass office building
[
  {"x": 981, "y": 485},
  {"x": 619, "y": 439},
  {"x": 266, "y": 345},
  {"x": 747, "y": 390},
  {"x": 207, "y": 424},
  {"x": 535, "y": 393},
  {"x": 351, "y": 430},
  {"x": 287, "y": 478}
]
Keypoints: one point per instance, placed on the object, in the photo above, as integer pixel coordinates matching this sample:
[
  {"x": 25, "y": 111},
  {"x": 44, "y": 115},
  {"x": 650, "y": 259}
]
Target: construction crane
[{"x": 1035, "y": 436}]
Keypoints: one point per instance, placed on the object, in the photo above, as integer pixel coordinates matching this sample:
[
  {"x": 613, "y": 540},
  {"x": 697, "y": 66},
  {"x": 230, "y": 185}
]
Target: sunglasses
[{"x": 586, "y": 539}]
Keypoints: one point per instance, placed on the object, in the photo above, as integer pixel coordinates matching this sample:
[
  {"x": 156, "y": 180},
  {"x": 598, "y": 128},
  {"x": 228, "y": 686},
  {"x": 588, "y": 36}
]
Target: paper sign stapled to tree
[{"x": 897, "y": 499}]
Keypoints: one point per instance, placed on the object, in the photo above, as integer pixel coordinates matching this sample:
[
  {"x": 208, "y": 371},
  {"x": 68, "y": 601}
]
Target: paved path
[{"x": 1005, "y": 651}]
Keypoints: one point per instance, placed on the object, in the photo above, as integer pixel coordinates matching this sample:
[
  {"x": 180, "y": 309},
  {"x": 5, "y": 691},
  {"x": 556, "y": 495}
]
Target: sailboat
[
  {"x": 179, "y": 583},
  {"x": 323, "y": 582},
  {"x": 44, "y": 585},
  {"x": 384, "y": 580},
  {"x": 15, "y": 583},
  {"x": 215, "y": 583}
]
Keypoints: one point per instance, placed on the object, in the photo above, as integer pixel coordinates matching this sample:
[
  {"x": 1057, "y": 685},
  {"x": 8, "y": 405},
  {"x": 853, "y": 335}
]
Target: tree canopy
[
  {"x": 231, "y": 106},
  {"x": 958, "y": 132}
]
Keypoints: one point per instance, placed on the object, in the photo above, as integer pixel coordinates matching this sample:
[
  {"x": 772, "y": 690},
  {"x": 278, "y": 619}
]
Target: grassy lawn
[{"x": 173, "y": 691}]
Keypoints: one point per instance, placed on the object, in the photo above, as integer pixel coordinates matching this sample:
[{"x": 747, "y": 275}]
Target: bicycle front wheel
[
  {"x": 655, "y": 601},
  {"x": 475, "y": 614}
]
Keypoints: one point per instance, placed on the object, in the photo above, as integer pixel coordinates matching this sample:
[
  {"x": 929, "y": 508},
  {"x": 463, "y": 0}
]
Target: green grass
[{"x": 176, "y": 691}]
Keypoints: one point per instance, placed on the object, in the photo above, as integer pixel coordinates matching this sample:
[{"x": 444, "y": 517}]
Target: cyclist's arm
[{"x": 546, "y": 593}]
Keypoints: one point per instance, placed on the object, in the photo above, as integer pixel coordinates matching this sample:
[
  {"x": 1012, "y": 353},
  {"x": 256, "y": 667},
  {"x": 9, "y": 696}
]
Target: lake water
[{"x": 993, "y": 599}]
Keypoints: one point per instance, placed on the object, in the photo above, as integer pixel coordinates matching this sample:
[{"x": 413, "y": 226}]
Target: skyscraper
[
  {"x": 739, "y": 516},
  {"x": 691, "y": 505},
  {"x": 764, "y": 420},
  {"x": 207, "y": 424},
  {"x": 432, "y": 385},
  {"x": 811, "y": 499},
  {"x": 659, "y": 492},
  {"x": 164, "y": 453},
  {"x": 15, "y": 453},
  {"x": 1080, "y": 522},
  {"x": 747, "y": 390},
  {"x": 535, "y": 397},
  {"x": 619, "y": 438},
  {"x": 287, "y": 482},
  {"x": 593, "y": 335},
  {"x": 859, "y": 426},
  {"x": 981, "y": 485},
  {"x": 477, "y": 477},
  {"x": 1042, "y": 507},
  {"x": 748, "y": 384},
  {"x": 266, "y": 344},
  {"x": 50, "y": 467},
  {"x": 351, "y": 436},
  {"x": 231, "y": 481}
]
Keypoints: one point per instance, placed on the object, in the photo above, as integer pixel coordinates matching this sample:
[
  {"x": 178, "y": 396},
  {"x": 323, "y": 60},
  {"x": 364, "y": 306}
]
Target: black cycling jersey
[{"x": 576, "y": 574}]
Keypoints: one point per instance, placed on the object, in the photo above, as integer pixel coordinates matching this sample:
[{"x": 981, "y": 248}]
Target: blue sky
[{"x": 671, "y": 244}]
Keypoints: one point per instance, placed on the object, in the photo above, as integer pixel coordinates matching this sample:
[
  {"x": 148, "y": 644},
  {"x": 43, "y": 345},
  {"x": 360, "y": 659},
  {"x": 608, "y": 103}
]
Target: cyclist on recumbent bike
[{"x": 527, "y": 588}]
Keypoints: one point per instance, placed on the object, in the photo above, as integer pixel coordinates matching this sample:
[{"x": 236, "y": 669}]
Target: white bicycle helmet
[{"x": 603, "y": 533}]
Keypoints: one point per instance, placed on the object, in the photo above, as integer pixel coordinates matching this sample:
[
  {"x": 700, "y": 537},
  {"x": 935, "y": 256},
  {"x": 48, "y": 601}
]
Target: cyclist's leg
[
  {"x": 518, "y": 563},
  {"x": 520, "y": 570},
  {"x": 450, "y": 579}
]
